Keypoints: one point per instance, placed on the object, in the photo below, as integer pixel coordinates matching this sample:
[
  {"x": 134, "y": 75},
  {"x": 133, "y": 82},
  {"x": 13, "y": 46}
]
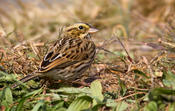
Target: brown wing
[{"x": 66, "y": 52}]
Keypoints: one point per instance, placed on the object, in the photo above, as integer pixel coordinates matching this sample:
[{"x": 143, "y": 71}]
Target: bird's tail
[{"x": 25, "y": 79}]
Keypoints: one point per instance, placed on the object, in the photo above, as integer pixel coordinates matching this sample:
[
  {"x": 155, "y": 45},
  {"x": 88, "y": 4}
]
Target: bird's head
[{"x": 81, "y": 30}]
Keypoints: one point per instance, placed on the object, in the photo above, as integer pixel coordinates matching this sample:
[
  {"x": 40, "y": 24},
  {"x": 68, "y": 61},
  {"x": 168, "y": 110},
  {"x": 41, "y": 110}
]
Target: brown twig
[
  {"x": 101, "y": 48},
  {"x": 129, "y": 57},
  {"x": 120, "y": 99}
]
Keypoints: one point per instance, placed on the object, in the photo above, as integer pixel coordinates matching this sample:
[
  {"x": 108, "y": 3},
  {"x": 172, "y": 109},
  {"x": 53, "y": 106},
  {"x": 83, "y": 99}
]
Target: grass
[{"x": 134, "y": 69}]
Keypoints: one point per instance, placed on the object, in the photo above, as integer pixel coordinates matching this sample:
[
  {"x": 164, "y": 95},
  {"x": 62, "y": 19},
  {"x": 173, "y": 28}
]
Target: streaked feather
[{"x": 70, "y": 56}]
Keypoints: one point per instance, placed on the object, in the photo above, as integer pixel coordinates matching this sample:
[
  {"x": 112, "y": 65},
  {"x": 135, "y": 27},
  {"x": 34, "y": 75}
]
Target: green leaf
[
  {"x": 110, "y": 103},
  {"x": 3, "y": 73},
  {"x": 123, "y": 87},
  {"x": 121, "y": 106},
  {"x": 34, "y": 92},
  {"x": 171, "y": 107},
  {"x": 169, "y": 79},
  {"x": 38, "y": 105},
  {"x": 59, "y": 107},
  {"x": 162, "y": 94},
  {"x": 81, "y": 103},
  {"x": 72, "y": 90},
  {"x": 96, "y": 92},
  {"x": 7, "y": 77},
  {"x": 54, "y": 96},
  {"x": 96, "y": 107},
  {"x": 20, "y": 105},
  {"x": 8, "y": 96},
  {"x": 151, "y": 106},
  {"x": 140, "y": 73}
]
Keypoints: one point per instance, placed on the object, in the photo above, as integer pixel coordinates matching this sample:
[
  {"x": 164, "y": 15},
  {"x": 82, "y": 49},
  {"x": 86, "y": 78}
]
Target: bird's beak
[{"x": 92, "y": 30}]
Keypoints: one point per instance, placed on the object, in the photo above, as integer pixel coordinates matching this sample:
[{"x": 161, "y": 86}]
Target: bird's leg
[{"x": 45, "y": 85}]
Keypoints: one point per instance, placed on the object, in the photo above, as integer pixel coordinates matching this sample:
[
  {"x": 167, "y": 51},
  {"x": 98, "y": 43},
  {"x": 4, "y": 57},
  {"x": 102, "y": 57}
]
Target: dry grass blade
[{"x": 128, "y": 56}]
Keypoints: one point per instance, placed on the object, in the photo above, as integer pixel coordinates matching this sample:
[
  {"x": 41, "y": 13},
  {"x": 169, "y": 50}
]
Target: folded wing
[{"x": 66, "y": 52}]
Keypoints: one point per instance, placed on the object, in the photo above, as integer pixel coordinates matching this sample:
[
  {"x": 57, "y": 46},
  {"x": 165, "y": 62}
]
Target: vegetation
[{"x": 134, "y": 69}]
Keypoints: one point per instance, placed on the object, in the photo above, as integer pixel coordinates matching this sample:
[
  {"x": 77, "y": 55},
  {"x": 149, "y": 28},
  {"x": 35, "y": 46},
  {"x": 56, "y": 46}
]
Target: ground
[{"x": 134, "y": 68}]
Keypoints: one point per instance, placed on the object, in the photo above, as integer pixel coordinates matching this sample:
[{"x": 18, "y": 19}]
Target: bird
[{"x": 69, "y": 57}]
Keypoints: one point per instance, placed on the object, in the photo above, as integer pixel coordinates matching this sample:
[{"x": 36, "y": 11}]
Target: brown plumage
[{"x": 69, "y": 57}]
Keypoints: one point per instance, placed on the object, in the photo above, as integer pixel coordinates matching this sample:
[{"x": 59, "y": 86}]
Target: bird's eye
[{"x": 80, "y": 27}]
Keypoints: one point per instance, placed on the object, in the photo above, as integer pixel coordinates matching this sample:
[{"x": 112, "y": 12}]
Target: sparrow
[{"x": 69, "y": 57}]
